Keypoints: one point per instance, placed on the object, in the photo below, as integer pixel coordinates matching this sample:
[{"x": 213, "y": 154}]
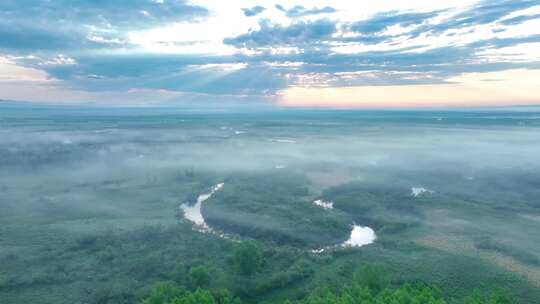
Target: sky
[{"x": 340, "y": 53}]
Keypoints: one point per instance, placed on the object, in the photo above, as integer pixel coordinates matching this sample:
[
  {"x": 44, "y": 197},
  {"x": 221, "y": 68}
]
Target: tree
[
  {"x": 224, "y": 296},
  {"x": 199, "y": 277},
  {"x": 198, "y": 297},
  {"x": 248, "y": 258},
  {"x": 372, "y": 277},
  {"x": 164, "y": 292}
]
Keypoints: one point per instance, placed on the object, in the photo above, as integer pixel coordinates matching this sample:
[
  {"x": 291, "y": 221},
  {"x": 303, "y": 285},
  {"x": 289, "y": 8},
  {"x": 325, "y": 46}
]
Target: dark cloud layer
[
  {"x": 198, "y": 74},
  {"x": 67, "y": 24},
  {"x": 110, "y": 13},
  {"x": 299, "y": 33}
]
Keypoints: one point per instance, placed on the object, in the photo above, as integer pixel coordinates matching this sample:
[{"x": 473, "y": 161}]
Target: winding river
[
  {"x": 193, "y": 213},
  {"x": 360, "y": 235}
]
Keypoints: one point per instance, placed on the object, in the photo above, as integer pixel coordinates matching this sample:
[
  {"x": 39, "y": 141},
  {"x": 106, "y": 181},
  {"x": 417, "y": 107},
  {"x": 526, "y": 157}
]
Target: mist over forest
[{"x": 128, "y": 205}]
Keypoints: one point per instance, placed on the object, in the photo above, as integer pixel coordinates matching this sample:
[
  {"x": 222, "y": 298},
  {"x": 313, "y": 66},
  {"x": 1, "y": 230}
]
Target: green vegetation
[
  {"x": 276, "y": 208},
  {"x": 124, "y": 260},
  {"x": 169, "y": 293},
  {"x": 356, "y": 293},
  {"x": 248, "y": 258},
  {"x": 96, "y": 220},
  {"x": 488, "y": 243},
  {"x": 122, "y": 266},
  {"x": 389, "y": 209}
]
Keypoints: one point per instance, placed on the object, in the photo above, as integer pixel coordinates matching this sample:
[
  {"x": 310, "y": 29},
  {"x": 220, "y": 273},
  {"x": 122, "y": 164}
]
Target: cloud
[
  {"x": 300, "y": 11},
  {"x": 303, "y": 32},
  {"x": 49, "y": 25},
  {"x": 208, "y": 75},
  {"x": 519, "y": 19},
  {"x": 31, "y": 37},
  {"x": 180, "y": 46},
  {"x": 11, "y": 72},
  {"x": 112, "y": 13},
  {"x": 382, "y": 21},
  {"x": 254, "y": 11},
  {"x": 484, "y": 12}
]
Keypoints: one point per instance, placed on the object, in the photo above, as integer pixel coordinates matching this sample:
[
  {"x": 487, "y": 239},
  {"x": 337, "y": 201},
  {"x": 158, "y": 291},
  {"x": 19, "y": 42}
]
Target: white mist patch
[
  {"x": 280, "y": 167},
  {"x": 360, "y": 236},
  {"x": 238, "y": 132},
  {"x": 417, "y": 191},
  {"x": 193, "y": 213},
  {"x": 324, "y": 204},
  {"x": 283, "y": 140},
  {"x": 105, "y": 131},
  {"x": 373, "y": 163}
]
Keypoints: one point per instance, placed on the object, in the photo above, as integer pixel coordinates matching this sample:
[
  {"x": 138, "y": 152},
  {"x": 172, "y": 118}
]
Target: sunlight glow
[{"x": 519, "y": 86}]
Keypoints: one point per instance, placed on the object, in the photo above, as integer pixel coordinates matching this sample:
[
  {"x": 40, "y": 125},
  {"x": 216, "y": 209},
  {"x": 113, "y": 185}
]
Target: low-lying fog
[
  {"x": 129, "y": 167},
  {"x": 393, "y": 140}
]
